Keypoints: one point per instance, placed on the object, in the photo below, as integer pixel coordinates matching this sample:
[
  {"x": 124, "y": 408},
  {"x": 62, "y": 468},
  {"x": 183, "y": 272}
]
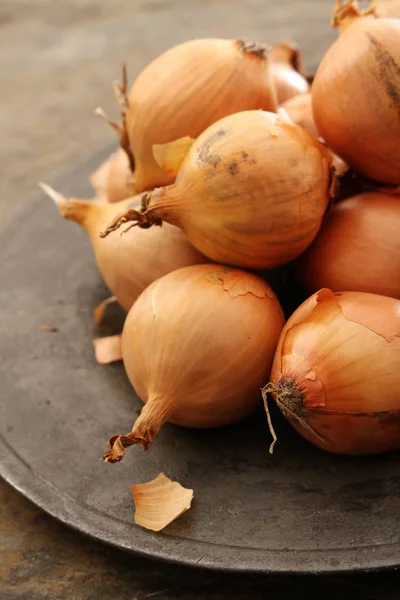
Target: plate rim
[{"x": 16, "y": 472}]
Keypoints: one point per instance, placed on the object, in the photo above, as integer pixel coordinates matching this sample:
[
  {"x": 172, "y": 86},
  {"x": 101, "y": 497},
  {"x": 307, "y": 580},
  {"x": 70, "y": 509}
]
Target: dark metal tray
[{"x": 299, "y": 511}]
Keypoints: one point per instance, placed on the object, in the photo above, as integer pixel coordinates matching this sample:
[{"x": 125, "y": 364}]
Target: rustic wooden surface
[{"x": 58, "y": 59}]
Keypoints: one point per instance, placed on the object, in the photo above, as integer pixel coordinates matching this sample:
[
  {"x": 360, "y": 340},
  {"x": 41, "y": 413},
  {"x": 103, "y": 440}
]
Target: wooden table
[{"x": 58, "y": 59}]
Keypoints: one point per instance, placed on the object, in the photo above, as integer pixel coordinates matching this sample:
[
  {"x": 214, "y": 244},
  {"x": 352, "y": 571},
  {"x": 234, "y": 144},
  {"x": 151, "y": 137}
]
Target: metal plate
[{"x": 299, "y": 511}]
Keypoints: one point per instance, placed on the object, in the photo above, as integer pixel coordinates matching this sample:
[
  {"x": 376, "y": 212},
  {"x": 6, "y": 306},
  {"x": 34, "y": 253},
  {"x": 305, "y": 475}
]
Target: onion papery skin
[
  {"x": 188, "y": 88},
  {"x": 357, "y": 249},
  {"x": 356, "y": 98},
  {"x": 197, "y": 345},
  {"x": 336, "y": 372}
]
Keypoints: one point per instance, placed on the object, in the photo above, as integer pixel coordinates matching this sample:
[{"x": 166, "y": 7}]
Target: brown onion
[
  {"x": 356, "y": 94},
  {"x": 251, "y": 192},
  {"x": 336, "y": 372},
  {"x": 188, "y": 88},
  {"x": 197, "y": 345},
  {"x": 357, "y": 249}
]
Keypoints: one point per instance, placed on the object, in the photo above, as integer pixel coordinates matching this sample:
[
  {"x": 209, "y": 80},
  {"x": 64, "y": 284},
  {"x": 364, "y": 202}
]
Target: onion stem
[
  {"x": 120, "y": 89},
  {"x": 141, "y": 218}
]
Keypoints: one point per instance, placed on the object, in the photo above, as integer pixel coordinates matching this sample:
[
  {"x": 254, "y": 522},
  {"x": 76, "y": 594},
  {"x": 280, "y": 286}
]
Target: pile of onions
[
  {"x": 130, "y": 263},
  {"x": 358, "y": 248},
  {"x": 287, "y": 72},
  {"x": 228, "y": 159},
  {"x": 188, "y": 88},
  {"x": 197, "y": 346},
  {"x": 356, "y": 94},
  {"x": 113, "y": 181},
  {"x": 336, "y": 371},
  {"x": 251, "y": 192}
]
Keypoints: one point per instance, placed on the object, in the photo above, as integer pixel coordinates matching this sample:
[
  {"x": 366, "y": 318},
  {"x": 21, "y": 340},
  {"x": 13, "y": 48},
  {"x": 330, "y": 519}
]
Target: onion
[
  {"x": 358, "y": 248},
  {"x": 287, "y": 72},
  {"x": 251, "y": 192},
  {"x": 188, "y": 88},
  {"x": 197, "y": 345},
  {"x": 336, "y": 372},
  {"x": 113, "y": 180},
  {"x": 128, "y": 264},
  {"x": 356, "y": 94},
  {"x": 299, "y": 109}
]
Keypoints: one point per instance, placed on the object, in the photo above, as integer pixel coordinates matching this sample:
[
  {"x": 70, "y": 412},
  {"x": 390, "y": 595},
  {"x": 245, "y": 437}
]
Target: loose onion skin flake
[
  {"x": 356, "y": 93},
  {"x": 357, "y": 249},
  {"x": 197, "y": 345},
  {"x": 185, "y": 90},
  {"x": 251, "y": 192},
  {"x": 108, "y": 349},
  {"x": 336, "y": 372},
  {"x": 159, "y": 502},
  {"x": 128, "y": 263}
]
